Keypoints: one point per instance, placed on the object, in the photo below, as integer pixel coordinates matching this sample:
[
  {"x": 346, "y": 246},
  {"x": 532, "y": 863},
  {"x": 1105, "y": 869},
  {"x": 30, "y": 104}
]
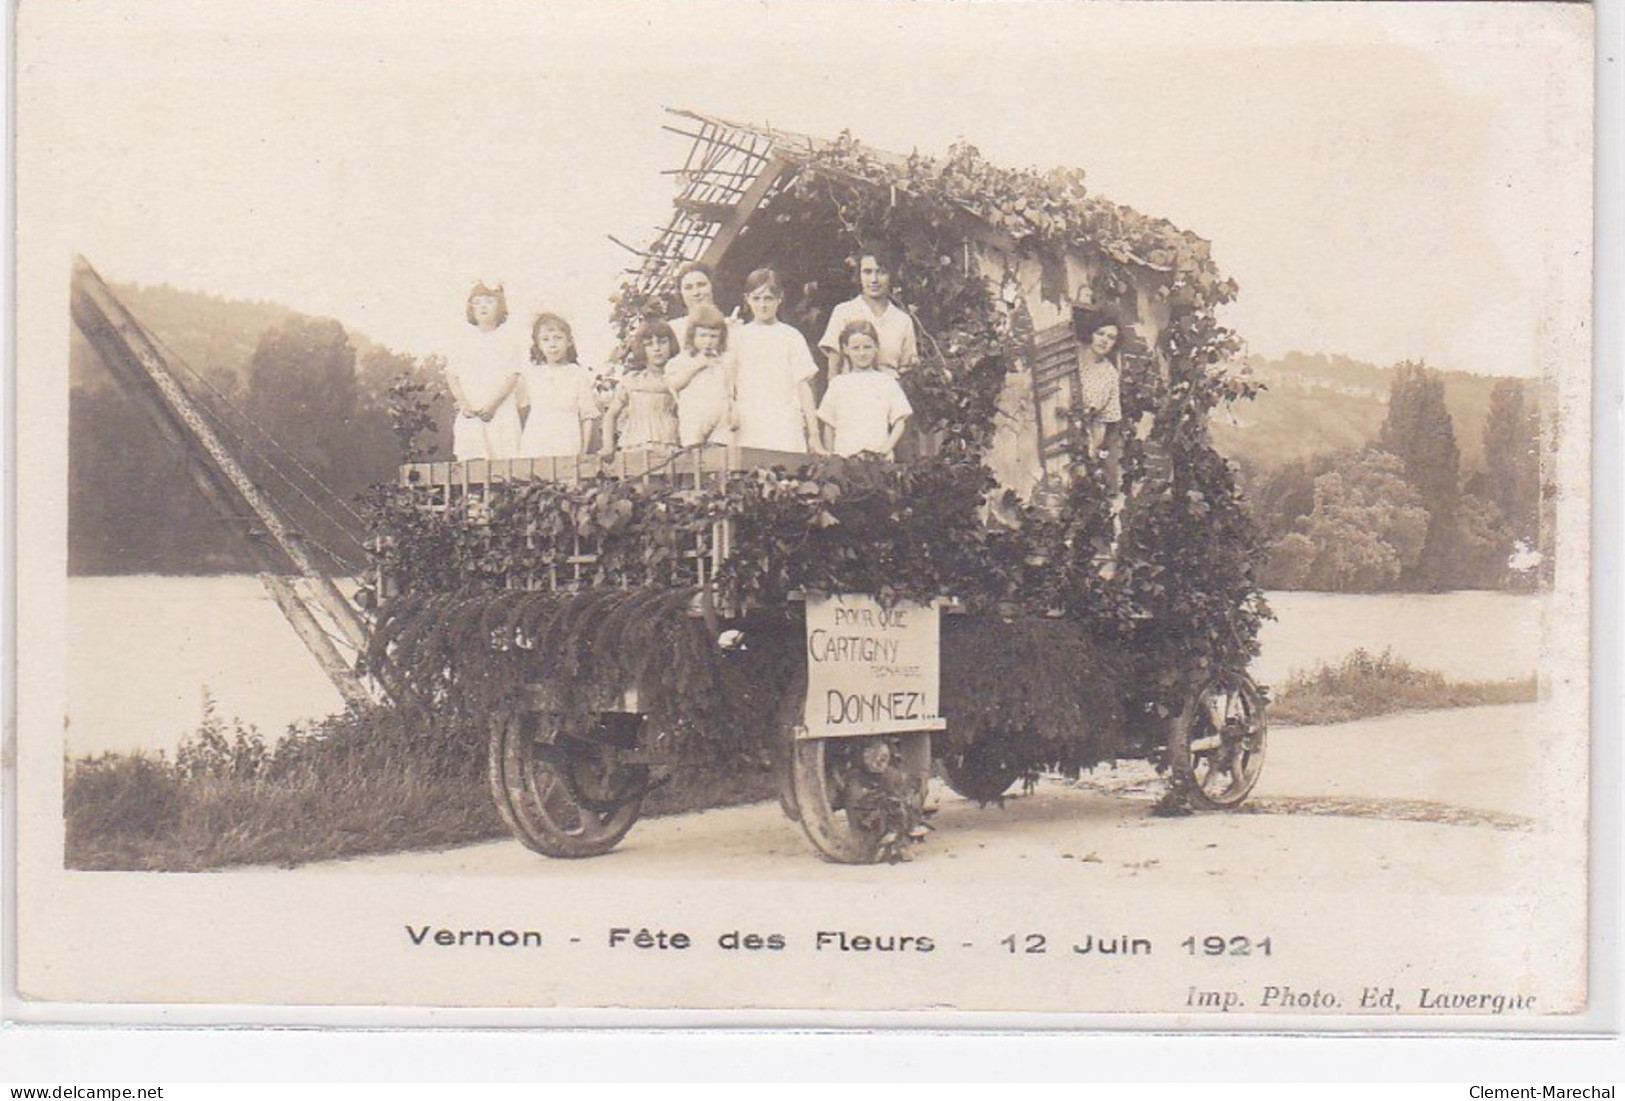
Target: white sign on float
[{"x": 871, "y": 669}]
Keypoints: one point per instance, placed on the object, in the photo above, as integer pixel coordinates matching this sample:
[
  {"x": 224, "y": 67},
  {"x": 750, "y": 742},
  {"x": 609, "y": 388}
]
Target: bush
[
  {"x": 115, "y": 795},
  {"x": 361, "y": 782},
  {"x": 1363, "y": 685},
  {"x": 375, "y": 781}
]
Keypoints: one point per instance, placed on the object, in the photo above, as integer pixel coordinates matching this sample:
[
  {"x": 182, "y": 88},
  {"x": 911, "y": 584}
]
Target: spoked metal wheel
[
  {"x": 1216, "y": 744},
  {"x": 980, "y": 771},
  {"x": 787, "y": 722},
  {"x": 861, "y": 799},
  {"x": 562, "y": 796}
]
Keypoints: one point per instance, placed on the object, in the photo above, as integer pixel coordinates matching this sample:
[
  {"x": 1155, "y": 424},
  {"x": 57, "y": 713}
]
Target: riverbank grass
[
  {"x": 350, "y": 785},
  {"x": 1363, "y": 685},
  {"x": 347, "y": 785}
]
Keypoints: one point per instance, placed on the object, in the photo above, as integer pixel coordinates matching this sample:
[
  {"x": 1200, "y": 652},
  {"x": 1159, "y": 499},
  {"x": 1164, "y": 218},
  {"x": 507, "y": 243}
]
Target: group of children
[
  {"x": 703, "y": 379},
  {"x": 514, "y": 400}
]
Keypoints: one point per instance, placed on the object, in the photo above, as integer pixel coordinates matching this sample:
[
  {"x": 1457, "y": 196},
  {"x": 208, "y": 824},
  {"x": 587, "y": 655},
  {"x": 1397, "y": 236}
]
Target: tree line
[
  {"x": 1398, "y": 514},
  {"x": 314, "y": 422}
]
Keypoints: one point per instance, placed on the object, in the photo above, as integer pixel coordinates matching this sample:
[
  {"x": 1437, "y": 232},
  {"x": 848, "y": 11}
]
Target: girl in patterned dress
[{"x": 641, "y": 411}]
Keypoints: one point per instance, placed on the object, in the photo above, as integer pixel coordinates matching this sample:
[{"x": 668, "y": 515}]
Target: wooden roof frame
[{"x": 731, "y": 171}]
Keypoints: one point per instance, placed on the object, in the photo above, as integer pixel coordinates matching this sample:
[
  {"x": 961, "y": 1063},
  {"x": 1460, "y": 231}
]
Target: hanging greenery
[
  {"x": 1041, "y": 685},
  {"x": 468, "y": 657}
]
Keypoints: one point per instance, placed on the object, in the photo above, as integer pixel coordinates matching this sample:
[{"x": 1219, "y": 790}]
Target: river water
[{"x": 145, "y": 651}]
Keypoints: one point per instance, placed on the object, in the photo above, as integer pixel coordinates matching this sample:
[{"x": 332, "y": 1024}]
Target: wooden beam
[
  {"x": 316, "y": 641},
  {"x": 120, "y": 337},
  {"x": 634, "y": 251},
  {"x": 753, "y": 197},
  {"x": 703, "y": 211}
]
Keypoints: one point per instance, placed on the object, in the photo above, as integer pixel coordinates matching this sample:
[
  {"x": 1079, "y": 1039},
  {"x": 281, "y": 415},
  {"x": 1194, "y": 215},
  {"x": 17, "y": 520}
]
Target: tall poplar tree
[
  {"x": 302, "y": 394},
  {"x": 302, "y": 390},
  {"x": 1512, "y": 457},
  {"x": 1419, "y": 430}
]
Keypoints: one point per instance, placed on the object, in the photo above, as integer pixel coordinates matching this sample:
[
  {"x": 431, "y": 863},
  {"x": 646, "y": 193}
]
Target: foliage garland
[
  {"x": 468, "y": 658},
  {"x": 1041, "y": 683}
]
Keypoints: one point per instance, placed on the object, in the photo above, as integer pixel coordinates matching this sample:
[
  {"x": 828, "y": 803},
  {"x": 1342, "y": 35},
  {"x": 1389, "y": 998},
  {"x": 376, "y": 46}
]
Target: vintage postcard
[{"x": 1035, "y": 514}]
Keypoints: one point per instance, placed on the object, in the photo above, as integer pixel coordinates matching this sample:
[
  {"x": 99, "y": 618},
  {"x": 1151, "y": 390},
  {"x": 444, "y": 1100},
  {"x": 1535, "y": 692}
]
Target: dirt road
[
  {"x": 1380, "y": 862},
  {"x": 1440, "y": 801}
]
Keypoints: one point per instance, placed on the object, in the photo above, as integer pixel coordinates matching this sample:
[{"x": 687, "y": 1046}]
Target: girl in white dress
[
  {"x": 864, "y": 406},
  {"x": 558, "y": 392},
  {"x": 641, "y": 411},
  {"x": 893, "y": 325},
  {"x": 703, "y": 380},
  {"x": 482, "y": 374},
  {"x": 773, "y": 392}
]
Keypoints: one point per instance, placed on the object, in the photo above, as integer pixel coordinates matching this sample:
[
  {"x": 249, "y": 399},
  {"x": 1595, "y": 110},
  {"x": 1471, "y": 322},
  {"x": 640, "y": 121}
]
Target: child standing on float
[
  {"x": 483, "y": 375},
  {"x": 864, "y": 406},
  {"x": 703, "y": 379},
  {"x": 558, "y": 392},
  {"x": 696, "y": 289},
  {"x": 893, "y": 325},
  {"x": 773, "y": 391},
  {"x": 641, "y": 412}
]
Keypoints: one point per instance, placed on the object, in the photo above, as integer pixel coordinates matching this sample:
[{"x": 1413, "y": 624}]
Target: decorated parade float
[
  {"x": 994, "y": 602},
  {"x": 1012, "y": 596}
]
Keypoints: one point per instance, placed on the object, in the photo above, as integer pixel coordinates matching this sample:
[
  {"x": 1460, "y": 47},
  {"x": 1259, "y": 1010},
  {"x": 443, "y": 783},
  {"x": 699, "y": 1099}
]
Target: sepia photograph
[{"x": 1044, "y": 515}]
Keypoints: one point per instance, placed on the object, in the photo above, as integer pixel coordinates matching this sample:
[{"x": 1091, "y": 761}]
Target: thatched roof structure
[
  {"x": 736, "y": 172},
  {"x": 989, "y": 261}
]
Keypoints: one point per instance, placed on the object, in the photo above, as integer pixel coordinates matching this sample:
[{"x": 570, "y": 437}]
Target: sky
[{"x": 1384, "y": 181}]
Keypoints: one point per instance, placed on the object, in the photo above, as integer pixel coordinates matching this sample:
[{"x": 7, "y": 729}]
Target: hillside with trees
[
  {"x": 1315, "y": 405},
  {"x": 310, "y": 408},
  {"x": 1412, "y": 509},
  {"x": 1362, "y": 478}
]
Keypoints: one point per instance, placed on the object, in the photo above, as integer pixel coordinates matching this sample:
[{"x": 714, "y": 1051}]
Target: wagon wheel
[
  {"x": 859, "y": 799},
  {"x": 786, "y": 722},
  {"x": 1216, "y": 744},
  {"x": 980, "y": 771},
  {"x": 564, "y": 797}
]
